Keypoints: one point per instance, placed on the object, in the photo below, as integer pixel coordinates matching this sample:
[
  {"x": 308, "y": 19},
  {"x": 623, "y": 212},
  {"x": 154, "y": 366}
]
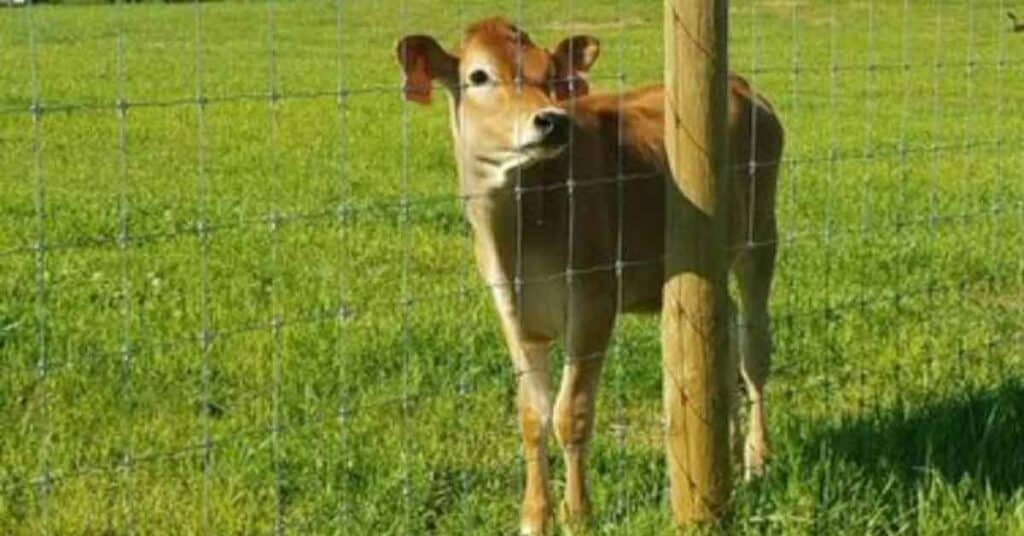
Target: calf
[{"x": 566, "y": 198}]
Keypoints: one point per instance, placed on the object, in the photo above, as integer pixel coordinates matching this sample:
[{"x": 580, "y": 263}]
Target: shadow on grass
[{"x": 977, "y": 435}]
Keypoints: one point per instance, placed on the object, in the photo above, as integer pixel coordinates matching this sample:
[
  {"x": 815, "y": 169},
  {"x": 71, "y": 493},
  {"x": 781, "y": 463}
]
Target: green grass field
[{"x": 352, "y": 379}]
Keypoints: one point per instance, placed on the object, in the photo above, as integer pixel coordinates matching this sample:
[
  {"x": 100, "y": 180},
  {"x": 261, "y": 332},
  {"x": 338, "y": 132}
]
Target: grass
[{"x": 352, "y": 380}]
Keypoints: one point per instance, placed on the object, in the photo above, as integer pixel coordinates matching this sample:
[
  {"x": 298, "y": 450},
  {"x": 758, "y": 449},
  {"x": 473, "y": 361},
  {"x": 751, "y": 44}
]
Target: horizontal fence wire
[
  {"x": 404, "y": 402},
  {"x": 349, "y": 310},
  {"x": 123, "y": 104},
  {"x": 349, "y": 213},
  {"x": 346, "y": 313}
]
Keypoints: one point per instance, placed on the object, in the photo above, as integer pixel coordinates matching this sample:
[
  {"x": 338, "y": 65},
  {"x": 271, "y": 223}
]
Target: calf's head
[{"x": 504, "y": 90}]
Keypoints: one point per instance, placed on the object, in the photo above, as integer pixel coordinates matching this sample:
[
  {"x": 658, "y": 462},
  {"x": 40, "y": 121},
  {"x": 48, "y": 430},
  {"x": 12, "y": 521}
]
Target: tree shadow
[{"x": 979, "y": 435}]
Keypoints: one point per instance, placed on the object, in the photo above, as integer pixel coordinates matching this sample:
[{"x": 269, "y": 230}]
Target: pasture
[{"x": 258, "y": 310}]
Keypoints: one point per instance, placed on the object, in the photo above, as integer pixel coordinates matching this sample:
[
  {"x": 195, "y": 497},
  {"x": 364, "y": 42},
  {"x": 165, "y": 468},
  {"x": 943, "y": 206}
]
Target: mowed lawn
[{"x": 261, "y": 313}]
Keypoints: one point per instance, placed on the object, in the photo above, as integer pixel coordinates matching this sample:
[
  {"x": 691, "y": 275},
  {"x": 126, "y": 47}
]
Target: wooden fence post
[{"x": 699, "y": 375}]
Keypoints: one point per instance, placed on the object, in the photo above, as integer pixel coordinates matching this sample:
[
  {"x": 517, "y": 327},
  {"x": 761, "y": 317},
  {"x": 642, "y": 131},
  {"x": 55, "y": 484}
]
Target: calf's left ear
[{"x": 573, "y": 58}]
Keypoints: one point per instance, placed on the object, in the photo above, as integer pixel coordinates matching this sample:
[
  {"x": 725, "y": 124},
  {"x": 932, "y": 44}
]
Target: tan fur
[{"x": 524, "y": 205}]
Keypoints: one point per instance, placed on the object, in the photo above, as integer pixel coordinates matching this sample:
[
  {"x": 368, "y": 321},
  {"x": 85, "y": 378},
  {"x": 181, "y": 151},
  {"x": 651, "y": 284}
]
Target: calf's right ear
[{"x": 423, "y": 61}]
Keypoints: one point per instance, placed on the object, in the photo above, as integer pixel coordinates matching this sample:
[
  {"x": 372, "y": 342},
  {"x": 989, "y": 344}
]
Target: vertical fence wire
[
  {"x": 463, "y": 405},
  {"x": 406, "y": 300},
  {"x": 967, "y": 141},
  {"x": 999, "y": 180},
  {"x": 755, "y": 46},
  {"x": 277, "y": 349},
  {"x": 341, "y": 355},
  {"x": 519, "y": 278},
  {"x": 616, "y": 353},
  {"x": 42, "y": 311},
  {"x": 1002, "y": 171},
  {"x": 572, "y": 354},
  {"x": 903, "y": 338},
  {"x": 870, "y": 105},
  {"x": 738, "y": 320},
  {"x": 787, "y": 234},
  {"x": 202, "y": 238},
  {"x": 829, "y": 224},
  {"x": 570, "y": 192},
  {"x": 828, "y": 360},
  {"x": 938, "y": 72},
  {"x": 124, "y": 209},
  {"x": 1014, "y": 69}
]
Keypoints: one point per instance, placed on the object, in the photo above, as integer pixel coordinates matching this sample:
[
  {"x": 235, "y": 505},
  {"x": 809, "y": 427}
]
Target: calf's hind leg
[
  {"x": 754, "y": 270},
  {"x": 574, "y": 425}
]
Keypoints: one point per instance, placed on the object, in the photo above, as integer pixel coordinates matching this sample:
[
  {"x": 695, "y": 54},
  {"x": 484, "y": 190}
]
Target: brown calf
[{"x": 566, "y": 197}]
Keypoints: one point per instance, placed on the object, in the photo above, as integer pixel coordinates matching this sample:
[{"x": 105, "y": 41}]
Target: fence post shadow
[{"x": 977, "y": 434}]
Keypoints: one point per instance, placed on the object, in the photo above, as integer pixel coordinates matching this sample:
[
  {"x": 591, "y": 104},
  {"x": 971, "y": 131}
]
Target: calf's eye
[{"x": 478, "y": 77}]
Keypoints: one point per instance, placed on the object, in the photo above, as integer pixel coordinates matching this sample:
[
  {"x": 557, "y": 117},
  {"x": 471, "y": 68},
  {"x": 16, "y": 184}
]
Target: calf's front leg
[
  {"x": 586, "y": 346},
  {"x": 534, "y": 404}
]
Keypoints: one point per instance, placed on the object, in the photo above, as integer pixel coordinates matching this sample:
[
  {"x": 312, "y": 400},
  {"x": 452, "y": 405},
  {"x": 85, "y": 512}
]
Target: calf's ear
[
  {"x": 573, "y": 58},
  {"x": 423, "y": 61}
]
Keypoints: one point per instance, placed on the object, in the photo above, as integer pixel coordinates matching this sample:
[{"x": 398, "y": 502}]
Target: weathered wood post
[{"x": 699, "y": 375}]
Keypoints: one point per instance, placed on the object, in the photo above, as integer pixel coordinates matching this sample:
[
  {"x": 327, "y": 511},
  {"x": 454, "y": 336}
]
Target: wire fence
[{"x": 239, "y": 293}]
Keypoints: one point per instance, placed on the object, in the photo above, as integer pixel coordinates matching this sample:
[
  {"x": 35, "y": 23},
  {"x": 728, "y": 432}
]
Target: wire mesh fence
[{"x": 239, "y": 293}]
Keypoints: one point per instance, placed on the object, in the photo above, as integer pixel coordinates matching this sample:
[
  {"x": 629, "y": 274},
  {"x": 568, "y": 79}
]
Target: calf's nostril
[
  {"x": 544, "y": 123},
  {"x": 551, "y": 125}
]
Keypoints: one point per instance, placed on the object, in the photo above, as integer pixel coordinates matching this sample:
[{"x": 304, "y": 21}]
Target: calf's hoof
[
  {"x": 534, "y": 521},
  {"x": 755, "y": 460},
  {"x": 575, "y": 520}
]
